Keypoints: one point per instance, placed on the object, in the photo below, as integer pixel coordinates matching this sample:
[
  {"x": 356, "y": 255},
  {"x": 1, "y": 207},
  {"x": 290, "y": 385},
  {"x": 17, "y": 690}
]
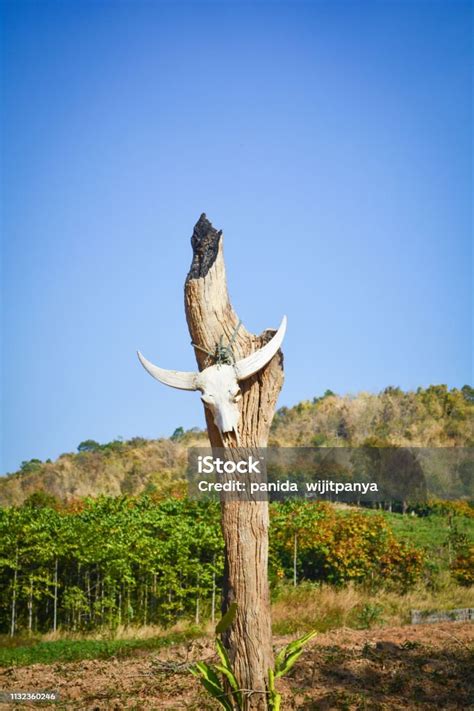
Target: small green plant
[
  {"x": 215, "y": 677},
  {"x": 285, "y": 660},
  {"x": 208, "y": 674},
  {"x": 369, "y": 615}
]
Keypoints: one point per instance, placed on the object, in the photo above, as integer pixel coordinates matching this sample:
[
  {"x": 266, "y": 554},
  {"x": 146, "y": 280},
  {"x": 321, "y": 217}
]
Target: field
[
  {"x": 353, "y": 575},
  {"x": 410, "y": 667},
  {"x": 366, "y": 656}
]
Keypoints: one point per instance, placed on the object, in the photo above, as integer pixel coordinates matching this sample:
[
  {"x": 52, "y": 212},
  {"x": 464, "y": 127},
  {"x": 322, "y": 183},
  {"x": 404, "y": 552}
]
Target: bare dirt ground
[{"x": 413, "y": 667}]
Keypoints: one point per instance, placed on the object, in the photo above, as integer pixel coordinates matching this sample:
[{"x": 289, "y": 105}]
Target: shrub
[
  {"x": 31, "y": 465},
  {"x": 459, "y": 507},
  {"x": 342, "y": 546},
  {"x": 41, "y": 499},
  {"x": 177, "y": 434},
  {"x": 462, "y": 568}
]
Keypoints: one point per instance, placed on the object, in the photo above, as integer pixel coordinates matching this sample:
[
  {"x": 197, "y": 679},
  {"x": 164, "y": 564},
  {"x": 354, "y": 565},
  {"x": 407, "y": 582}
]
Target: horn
[
  {"x": 175, "y": 378},
  {"x": 256, "y": 361}
]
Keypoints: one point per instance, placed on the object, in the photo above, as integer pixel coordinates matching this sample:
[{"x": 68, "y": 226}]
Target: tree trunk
[
  {"x": 55, "y": 599},
  {"x": 102, "y": 602},
  {"x": 30, "y": 606},
  {"x": 13, "y": 608},
  {"x": 210, "y": 316},
  {"x": 145, "y": 605},
  {"x": 197, "y": 610},
  {"x": 295, "y": 559},
  {"x": 213, "y": 600}
]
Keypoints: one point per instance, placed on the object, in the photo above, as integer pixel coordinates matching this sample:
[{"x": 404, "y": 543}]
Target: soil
[{"x": 412, "y": 667}]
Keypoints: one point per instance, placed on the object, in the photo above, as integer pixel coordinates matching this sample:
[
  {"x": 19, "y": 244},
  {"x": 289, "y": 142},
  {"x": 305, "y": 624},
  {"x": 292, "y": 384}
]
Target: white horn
[
  {"x": 175, "y": 378},
  {"x": 256, "y": 361}
]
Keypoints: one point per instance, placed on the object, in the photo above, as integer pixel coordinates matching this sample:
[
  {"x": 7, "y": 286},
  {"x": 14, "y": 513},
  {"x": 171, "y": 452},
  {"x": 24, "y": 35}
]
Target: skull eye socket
[{"x": 207, "y": 399}]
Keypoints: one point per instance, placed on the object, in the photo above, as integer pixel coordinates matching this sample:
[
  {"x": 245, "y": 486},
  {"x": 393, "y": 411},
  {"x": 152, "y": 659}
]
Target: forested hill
[{"x": 431, "y": 417}]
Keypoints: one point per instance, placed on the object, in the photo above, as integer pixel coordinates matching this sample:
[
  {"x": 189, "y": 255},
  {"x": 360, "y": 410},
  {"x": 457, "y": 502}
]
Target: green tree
[{"x": 89, "y": 445}]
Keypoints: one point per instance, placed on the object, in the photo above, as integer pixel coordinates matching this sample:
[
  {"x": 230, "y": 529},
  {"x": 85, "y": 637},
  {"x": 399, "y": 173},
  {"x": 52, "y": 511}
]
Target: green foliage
[
  {"x": 461, "y": 552},
  {"x": 137, "y": 442},
  {"x": 462, "y": 567},
  {"x": 290, "y": 654},
  {"x": 228, "y": 618},
  {"x": 31, "y": 465},
  {"x": 148, "y": 559},
  {"x": 208, "y": 674},
  {"x": 89, "y": 445},
  {"x": 177, "y": 434},
  {"x": 118, "y": 561},
  {"x": 340, "y": 547},
  {"x": 468, "y": 393},
  {"x": 445, "y": 508},
  {"x": 226, "y": 669},
  {"x": 327, "y": 393},
  {"x": 40, "y": 499},
  {"x": 274, "y": 698},
  {"x": 368, "y": 615}
]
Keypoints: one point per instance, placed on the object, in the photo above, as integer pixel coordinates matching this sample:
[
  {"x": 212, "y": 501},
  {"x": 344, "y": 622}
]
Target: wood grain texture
[{"x": 210, "y": 315}]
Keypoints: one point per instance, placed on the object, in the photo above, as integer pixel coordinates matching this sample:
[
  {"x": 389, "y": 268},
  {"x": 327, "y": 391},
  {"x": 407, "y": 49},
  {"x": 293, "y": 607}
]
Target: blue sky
[{"x": 330, "y": 141}]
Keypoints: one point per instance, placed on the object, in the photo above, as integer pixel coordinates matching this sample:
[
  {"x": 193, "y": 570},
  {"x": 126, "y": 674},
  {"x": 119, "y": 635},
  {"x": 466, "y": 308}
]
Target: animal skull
[{"x": 219, "y": 384}]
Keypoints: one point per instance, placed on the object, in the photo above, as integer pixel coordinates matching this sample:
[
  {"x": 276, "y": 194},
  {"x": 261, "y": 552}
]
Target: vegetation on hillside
[
  {"x": 430, "y": 417},
  {"x": 119, "y": 467}
]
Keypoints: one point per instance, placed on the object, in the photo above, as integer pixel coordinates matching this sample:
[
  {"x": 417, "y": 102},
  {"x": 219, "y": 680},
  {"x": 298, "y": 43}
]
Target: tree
[
  {"x": 89, "y": 445},
  {"x": 468, "y": 393},
  {"x": 210, "y": 318},
  {"x": 177, "y": 434},
  {"x": 41, "y": 499},
  {"x": 30, "y": 465}
]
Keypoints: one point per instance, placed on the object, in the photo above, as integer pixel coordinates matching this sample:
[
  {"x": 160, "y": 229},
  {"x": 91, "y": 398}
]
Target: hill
[
  {"x": 430, "y": 417},
  {"x": 129, "y": 467}
]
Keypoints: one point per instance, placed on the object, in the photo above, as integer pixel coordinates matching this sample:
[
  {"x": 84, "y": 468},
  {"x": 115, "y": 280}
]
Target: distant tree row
[
  {"x": 106, "y": 562},
  {"x": 135, "y": 560}
]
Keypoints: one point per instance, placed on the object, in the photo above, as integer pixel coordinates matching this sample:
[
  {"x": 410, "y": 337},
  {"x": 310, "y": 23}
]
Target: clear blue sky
[{"x": 330, "y": 141}]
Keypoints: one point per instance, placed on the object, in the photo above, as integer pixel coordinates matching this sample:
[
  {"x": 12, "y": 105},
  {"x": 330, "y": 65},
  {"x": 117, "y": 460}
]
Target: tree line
[{"x": 100, "y": 563}]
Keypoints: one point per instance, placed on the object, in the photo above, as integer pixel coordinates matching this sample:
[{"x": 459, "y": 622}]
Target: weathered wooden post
[{"x": 210, "y": 317}]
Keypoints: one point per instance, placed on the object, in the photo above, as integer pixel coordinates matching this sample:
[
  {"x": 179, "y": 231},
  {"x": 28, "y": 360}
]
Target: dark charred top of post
[{"x": 205, "y": 244}]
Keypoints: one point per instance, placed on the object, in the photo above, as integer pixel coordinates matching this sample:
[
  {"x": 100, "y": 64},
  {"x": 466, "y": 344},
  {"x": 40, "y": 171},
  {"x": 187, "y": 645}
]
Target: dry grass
[
  {"x": 126, "y": 632},
  {"x": 307, "y": 607},
  {"x": 324, "y": 607}
]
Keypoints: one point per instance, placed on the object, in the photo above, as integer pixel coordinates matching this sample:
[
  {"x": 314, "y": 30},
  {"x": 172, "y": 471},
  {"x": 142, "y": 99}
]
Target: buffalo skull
[{"x": 219, "y": 384}]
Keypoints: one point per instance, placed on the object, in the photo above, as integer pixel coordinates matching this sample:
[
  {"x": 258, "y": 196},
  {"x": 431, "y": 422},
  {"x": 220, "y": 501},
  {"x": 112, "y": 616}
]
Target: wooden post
[{"x": 210, "y": 316}]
